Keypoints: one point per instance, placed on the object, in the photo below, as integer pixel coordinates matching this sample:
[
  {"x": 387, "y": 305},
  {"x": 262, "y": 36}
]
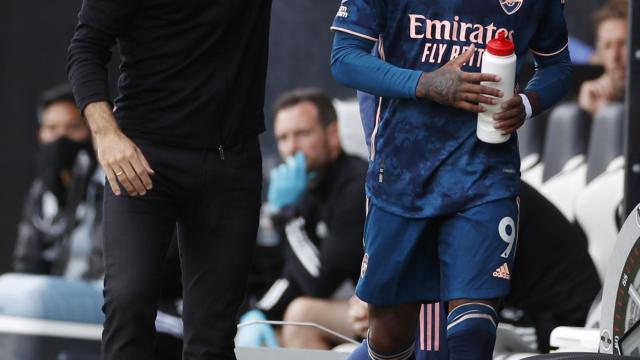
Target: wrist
[
  {"x": 527, "y": 106},
  {"x": 421, "y": 87},
  {"x": 534, "y": 101},
  {"x": 100, "y": 118}
]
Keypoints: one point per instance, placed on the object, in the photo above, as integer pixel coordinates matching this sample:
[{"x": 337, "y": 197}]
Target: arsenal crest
[{"x": 511, "y": 6}]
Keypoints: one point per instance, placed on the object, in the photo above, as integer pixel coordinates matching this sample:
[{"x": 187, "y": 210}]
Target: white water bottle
[{"x": 499, "y": 59}]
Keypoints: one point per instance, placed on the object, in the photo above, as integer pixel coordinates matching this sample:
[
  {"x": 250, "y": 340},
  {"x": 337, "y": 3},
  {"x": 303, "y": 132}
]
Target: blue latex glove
[
  {"x": 256, "y": 335},
  {"x": 288, "y": 182}
]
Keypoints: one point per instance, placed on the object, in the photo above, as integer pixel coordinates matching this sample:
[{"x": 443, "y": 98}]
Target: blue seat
[{"x": 51, "y": 298}]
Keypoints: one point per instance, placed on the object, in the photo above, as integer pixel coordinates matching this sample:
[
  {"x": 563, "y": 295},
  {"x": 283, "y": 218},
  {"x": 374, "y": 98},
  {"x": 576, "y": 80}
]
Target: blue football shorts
[{"x": 465, "y": 255}]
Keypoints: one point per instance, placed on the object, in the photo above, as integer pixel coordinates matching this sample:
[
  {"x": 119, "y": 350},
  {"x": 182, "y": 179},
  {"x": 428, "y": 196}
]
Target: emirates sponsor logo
[
  {"x": 502, "y": 272},
  {"x": 363, "y": 268},
  {"x": 511, "y": 6},
  {"x": 433, "y": 31}
]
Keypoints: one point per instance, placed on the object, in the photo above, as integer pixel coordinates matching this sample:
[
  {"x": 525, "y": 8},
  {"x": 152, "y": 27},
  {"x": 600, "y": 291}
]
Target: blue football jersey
[{"x": 426, "y": 159}]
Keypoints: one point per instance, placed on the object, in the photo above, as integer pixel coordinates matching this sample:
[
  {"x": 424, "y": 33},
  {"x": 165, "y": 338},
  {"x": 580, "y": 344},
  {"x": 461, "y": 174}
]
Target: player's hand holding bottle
[{"x": 449, "y": 85}]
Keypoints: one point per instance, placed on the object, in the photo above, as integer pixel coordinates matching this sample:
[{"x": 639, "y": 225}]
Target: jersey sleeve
[
  {"x": 363, "y": 18},
  {"x": 551, "y": 36}
]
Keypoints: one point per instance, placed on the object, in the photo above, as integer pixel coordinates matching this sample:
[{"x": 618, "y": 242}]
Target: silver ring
[{"x": 119, "y": 173}]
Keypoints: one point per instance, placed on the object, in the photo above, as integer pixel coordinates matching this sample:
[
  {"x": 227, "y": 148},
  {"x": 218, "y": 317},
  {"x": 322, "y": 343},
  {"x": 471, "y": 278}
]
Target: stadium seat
[
  {"x": 530, "y": 142},
  {"x": 605, "y": 143},
  {"x": 50, "y": 298},
  {"x": 596, "y": 206},
  {"x": 565, "y": 167},
  {"x": 566, "y": 138},
  {"x": 350, "y": 128}
]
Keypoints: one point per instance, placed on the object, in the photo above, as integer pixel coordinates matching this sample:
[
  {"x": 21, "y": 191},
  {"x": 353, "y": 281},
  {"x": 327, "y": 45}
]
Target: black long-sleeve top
[
  {"x": 322, "y": 237},
  {"x": 192, "y": 72}
]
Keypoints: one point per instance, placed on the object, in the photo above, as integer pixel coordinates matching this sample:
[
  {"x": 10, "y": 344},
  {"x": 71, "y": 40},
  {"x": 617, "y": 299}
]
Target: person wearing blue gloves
[{"x": 317, "y": 203}]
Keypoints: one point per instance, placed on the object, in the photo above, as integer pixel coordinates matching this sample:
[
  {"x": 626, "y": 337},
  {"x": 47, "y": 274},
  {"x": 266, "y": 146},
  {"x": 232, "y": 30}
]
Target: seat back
[
  {"x": 566, "y": 137},
  {"x": 596, "y": 212},
  {"x": 352, "y": 137},
  {"x": 605, "y": 143},
  {"x": 531, "y": 141}
]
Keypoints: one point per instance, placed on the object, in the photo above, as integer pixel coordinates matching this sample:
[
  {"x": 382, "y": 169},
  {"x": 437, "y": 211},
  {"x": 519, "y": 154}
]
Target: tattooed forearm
[{"x": 441, "y": 86}]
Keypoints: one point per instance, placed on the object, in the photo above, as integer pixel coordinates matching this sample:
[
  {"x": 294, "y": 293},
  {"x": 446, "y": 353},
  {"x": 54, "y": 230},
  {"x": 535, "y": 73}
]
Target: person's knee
[
  {"x": 301, "y": 310},
  {"x": 392, "y": 329}
]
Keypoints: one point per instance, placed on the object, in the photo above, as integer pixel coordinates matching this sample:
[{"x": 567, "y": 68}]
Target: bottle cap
[{"x": 501, "y": 46}]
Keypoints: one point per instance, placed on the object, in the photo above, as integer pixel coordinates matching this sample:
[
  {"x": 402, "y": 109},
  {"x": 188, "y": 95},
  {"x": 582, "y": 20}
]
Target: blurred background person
[
  {"x": 611, "y": 26},
  {"x": 317, "y": 201},
  {"x": 59, "y": 232}
]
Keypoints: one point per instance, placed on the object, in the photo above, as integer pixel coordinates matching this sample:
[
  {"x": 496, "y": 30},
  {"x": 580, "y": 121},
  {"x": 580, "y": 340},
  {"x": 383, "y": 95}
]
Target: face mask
[{"x": 55, "y": 157}]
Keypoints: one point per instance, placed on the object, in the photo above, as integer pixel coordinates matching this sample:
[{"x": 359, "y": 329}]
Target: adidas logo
[{"x": 502, "y": 272}]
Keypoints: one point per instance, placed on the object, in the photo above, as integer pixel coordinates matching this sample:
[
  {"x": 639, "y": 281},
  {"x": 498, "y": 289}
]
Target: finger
[
  {"x": 513, "y": 103},
  {"x": 479, "y": 77},
  {"x": 135, "y": 180},
  {"x": 511, "y": 129},
  {"x": 466, "y": 56},
  {"x": 125, "y": 178},
  {"x": 476, "y": 98},
  {"x": 481, "y": 89},
  {"x": 111, "y": 179},
  {"x": 465, "y": 105},
  {"x": 142, "y": 172},
  {"x": 144, "y": 161},
  {"x": 509, "y": 126},
  {"x": 515, "y": 113}
]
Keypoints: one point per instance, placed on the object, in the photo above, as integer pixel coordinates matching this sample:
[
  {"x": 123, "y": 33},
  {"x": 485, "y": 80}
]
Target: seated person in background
[
  {"x": 554, "y": 281},
  {"x": 611, "y": 49},
  {"x": 317, "y": 202},
  {"x": 59, "y": 232}
]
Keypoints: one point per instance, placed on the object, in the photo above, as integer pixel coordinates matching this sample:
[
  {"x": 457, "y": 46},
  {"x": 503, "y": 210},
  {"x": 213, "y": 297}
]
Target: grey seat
[
  {"x": 606, "y": 139},
  {"x": 531, "y": 140},
  {"x": 597, "y": 205},
  {"x": 566, "y": 137}
]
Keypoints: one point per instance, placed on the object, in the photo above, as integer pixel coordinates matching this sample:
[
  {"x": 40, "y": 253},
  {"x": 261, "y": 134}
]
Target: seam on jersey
[
  {"x": 550, "y": 54},
  {"x": 336, "y": 28},
  {"x": 374, "y": 134}
]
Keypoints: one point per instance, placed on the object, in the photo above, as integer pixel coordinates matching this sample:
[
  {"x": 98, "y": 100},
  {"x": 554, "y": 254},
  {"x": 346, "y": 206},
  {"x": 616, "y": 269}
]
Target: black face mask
[{"x": 56, "y": 156}]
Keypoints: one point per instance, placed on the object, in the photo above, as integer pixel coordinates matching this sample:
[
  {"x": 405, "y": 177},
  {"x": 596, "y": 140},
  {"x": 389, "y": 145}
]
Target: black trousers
[{"x": 215, "y": 202}]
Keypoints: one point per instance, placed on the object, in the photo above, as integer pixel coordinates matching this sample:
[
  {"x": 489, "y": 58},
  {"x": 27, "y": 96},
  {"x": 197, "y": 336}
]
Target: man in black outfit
[
  {"x": 317, "y": 200},
  {"x": 182, "y": 141}
]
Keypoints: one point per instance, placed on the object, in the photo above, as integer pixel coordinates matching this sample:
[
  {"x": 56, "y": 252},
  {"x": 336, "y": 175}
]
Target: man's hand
[
  {"x": 288, "y": 182},
  {"x": 512, "y": 116},
  {"x": 121, "y": 159},
  {"x": 449, "y": 85},
  {"x": 597, "y": 93}
]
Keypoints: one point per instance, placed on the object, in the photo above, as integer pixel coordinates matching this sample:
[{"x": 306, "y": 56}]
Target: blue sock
[
  {"x": 363, "y": 352},
  {"x": 471, "y": 332}
]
